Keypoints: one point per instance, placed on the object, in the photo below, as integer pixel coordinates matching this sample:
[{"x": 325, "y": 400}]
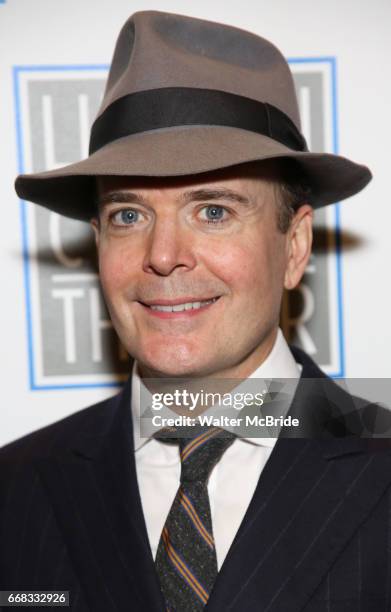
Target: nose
[{"x": 169, "y": 247}]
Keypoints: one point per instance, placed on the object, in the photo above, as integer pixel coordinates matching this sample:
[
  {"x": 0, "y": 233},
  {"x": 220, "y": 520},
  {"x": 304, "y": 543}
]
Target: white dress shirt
[{"x": 232, "y": 482}]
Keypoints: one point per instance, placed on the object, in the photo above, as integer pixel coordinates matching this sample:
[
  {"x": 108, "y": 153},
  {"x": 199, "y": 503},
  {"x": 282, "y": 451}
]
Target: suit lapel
[
  {"x": 304, "y": 510},
  {"x": 93, "y": 488},
  {"x": 312, "y": 496}
]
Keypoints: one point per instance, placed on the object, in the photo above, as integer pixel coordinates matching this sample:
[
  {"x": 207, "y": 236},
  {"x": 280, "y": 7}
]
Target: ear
[{"x": 299, "y": 243}]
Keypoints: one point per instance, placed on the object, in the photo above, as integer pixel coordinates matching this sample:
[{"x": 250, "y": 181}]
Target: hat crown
[{"x": 157, "y": 50}]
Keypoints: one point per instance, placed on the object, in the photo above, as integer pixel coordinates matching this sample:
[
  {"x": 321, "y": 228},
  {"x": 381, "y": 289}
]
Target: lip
[
  {"x": 183, "y": 314},
  {"x": 182, "y": 300}
]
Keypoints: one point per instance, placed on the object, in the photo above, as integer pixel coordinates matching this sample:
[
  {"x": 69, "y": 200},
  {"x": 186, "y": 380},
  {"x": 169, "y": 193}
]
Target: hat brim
[{"x": 180, "y": 152}]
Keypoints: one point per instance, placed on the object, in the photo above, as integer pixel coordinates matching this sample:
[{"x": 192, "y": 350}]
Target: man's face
[{"x": 210, "y": 243}]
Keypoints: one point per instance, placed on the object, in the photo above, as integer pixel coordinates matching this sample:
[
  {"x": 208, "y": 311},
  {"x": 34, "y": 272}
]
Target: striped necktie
[{"x": 186, "y": 557}]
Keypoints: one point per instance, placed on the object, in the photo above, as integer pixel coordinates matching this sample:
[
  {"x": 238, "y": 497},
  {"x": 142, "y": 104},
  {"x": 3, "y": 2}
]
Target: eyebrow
[
  {"x": 120, "y": 197},
  {"x": 195, "y": 195},
  {"x": 220, "y": 193}
]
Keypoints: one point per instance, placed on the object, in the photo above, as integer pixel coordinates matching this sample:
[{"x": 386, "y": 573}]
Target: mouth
[{"x": 184, "y": 307}]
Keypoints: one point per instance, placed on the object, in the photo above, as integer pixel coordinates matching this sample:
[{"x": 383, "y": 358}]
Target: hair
[{"x": 95, "y": 201}]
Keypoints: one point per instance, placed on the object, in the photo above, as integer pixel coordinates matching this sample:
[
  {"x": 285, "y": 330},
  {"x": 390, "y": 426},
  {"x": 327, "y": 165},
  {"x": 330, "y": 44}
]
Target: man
[{"x": 200, "y": 189}]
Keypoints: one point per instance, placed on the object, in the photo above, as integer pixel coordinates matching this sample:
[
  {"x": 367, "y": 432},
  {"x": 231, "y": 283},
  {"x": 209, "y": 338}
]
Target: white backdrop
[{"x": 355, "y": 34}]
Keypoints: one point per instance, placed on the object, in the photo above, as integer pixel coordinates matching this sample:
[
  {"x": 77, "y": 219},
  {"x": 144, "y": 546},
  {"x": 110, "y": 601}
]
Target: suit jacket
[{"x": 316, "y": 535}]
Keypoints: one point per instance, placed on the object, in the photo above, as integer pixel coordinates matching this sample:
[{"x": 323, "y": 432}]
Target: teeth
[{"x": 181, "y": 307}]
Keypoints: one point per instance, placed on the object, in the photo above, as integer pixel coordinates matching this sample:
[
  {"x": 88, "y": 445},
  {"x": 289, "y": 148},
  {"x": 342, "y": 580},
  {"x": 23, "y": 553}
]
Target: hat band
[{"x": 144, "y": 111}]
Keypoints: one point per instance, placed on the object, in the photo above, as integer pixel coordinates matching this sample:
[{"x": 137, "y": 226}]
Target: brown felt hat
[{"x": 186, "y": 96}]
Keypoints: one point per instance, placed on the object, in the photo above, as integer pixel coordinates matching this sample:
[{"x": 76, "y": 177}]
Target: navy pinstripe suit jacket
[{"x": 316, "y": 536}]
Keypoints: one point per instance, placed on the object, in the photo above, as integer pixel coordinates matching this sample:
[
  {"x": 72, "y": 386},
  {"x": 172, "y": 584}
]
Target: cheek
[
  {"x": 256, "y": 268},
  {"x": 116, "y": 269}
]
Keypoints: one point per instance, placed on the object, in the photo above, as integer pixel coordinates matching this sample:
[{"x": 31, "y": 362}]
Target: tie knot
[{"x": 200, "y": 452}]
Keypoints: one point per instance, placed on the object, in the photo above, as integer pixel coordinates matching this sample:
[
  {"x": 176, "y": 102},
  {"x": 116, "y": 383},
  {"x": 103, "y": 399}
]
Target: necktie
[{"x": 186, "y": 557}]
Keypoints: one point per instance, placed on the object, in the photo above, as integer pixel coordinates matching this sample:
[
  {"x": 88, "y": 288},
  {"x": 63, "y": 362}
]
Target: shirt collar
[{"x": 279, "y": 363}]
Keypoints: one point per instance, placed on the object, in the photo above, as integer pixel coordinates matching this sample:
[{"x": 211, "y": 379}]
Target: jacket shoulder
[
  {"x": 56, "y": 436},
  {"x": 339, "y": 411}
]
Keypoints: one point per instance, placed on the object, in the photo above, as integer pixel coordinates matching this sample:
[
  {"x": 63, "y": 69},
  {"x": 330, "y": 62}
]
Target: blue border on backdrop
[
  {"x": 24, "y": 230},
  {"x": 337, "y": 216}
]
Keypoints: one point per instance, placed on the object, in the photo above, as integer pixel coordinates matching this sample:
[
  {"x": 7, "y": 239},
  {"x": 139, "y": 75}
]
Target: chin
[{"x": 173, "y": 363}]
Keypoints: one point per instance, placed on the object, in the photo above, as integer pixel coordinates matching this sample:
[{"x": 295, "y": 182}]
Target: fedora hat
[{"x": 186, "y": 96}]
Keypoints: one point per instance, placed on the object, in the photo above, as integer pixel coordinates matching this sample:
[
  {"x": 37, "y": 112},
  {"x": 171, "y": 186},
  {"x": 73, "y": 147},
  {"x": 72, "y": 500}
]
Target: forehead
[{"x": 247, "y": 179}]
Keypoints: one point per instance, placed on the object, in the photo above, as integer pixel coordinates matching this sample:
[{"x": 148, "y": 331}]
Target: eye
[
  {"x": 214, "y": 214},
  {"x": 126, "y": 216}
]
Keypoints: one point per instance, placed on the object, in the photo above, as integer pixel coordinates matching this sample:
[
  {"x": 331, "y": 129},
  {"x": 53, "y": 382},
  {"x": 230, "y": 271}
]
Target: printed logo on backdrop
[{"x": 71, "y": 339}]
